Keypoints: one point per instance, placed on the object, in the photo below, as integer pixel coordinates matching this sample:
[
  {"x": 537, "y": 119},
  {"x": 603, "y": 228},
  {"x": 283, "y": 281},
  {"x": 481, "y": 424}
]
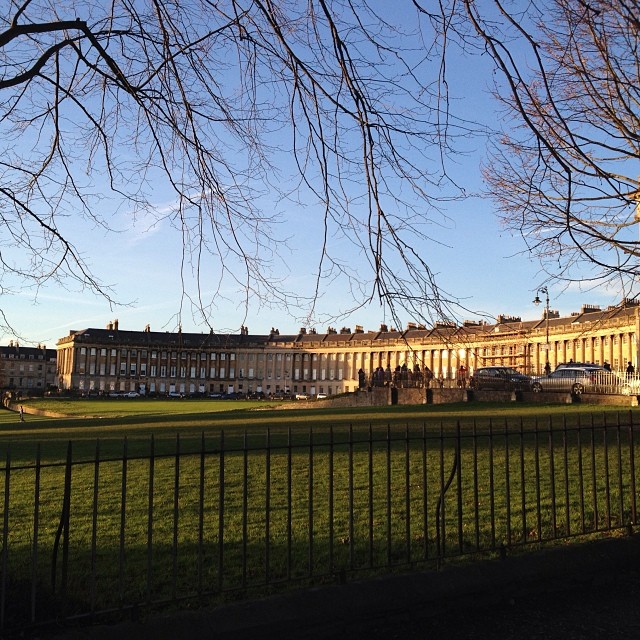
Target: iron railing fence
[{"x": 86, "y": 538}]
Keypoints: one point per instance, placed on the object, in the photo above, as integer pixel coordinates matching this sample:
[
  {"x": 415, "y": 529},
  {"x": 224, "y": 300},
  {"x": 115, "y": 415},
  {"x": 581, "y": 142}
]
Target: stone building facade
[
  {"x": 112, "y": 359},
  {"x": 29, "y": 370}
]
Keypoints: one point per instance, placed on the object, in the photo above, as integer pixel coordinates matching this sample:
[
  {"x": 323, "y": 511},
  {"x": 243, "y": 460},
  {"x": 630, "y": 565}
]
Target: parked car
[
  {"x": 504, "y": 378},
  {"x": 573, "y": 365},
  {"x": 321, "y": 396},
  {"x": 302, "y": 396},
  {"x": 573, "y": 379},
  {"x": 131, "y": 394}
]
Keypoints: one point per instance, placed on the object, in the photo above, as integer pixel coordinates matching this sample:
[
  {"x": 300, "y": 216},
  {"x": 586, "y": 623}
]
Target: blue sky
[
  {"x": 482, "y": 266},
  {"x": 473, "y": 258}
]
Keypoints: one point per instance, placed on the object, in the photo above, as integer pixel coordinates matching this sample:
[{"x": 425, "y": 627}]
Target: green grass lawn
[
  {"x": 227, "y": 521},
  {"x": 113, "y": 420}
]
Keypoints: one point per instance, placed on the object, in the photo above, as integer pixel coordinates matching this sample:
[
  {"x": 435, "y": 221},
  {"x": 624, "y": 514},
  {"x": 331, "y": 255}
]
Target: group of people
[{"x": 401, "y": 376}]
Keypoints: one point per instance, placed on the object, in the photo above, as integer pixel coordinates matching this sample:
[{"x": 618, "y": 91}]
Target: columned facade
[{"x": 111, "y": 359}]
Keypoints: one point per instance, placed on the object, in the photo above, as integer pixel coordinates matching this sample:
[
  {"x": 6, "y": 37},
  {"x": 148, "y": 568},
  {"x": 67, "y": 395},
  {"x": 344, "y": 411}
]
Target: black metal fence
[{"x": 82, "y": 539}]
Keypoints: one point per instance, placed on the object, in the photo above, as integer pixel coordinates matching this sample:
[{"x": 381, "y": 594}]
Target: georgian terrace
[{"x": 113, "y": 359}]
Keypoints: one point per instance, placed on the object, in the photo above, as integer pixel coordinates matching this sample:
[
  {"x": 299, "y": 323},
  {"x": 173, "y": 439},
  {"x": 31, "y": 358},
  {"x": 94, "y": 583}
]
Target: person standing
[{"x": 21, "y": 413}]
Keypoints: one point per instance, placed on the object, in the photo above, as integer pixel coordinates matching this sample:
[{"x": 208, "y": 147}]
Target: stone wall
[{"x": 383, "y": 396}]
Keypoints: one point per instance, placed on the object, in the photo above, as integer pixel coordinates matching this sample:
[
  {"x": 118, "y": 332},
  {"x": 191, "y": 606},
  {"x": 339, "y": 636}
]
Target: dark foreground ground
[{"x": 580, "y": 591}]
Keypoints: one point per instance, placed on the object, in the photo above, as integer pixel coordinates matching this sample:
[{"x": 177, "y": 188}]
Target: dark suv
[{"x": 504, "y": 378}]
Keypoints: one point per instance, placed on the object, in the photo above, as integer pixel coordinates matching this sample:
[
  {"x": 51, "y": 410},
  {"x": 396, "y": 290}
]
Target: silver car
[{"x": 572, "y": 379}]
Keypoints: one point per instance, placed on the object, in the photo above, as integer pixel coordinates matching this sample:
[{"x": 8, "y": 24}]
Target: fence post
[
  {"x": 267, "y": 514},
  {"x": 94, "y": 524},
  {"x": 632, "y": 469},
  {"x": 221, "y": 512},
  {"x": 407, "y": 493},
  {"x": 63, "y": 529},
  {"x": 123, "y": 519},
  {"x": 176, "y": 517},
  {"x": 332, "y": 567},
  {"x": 351, "y": 502},
  {"x": 552, "y": 479},
  {"x": 152, "y": 467},
  {"x": 201, "y": 490},
  {"x": 36, "y": 528},
  {"x": 388, "y": 496},
  {"x": 289, "y": 503},
  {"x": 5, "y": 538},
  {"x": 507, "y": 483},
  {"x": 310, "y": 502}
]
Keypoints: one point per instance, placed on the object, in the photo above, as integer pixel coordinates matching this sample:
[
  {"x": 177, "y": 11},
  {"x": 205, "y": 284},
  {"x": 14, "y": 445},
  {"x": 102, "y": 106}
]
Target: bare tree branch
[
  {"x": 564, "y": 174},
  {"x": 217, "y": 98}
]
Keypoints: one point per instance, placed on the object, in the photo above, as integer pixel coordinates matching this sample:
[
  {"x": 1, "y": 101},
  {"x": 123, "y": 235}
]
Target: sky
[
  {"x": 483, "y": 266},
  {"x": 474, "y": 259}
]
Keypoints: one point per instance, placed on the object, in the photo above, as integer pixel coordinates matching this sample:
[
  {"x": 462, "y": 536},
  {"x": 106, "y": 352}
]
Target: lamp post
[{"x": 537, "y": 301}]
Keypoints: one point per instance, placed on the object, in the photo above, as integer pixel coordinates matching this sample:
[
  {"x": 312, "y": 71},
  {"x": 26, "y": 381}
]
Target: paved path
[{"x": 587, "y": 591}]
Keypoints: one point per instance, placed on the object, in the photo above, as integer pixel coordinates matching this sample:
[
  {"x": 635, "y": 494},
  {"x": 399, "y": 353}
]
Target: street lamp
[{"x": 537, "y": 301}]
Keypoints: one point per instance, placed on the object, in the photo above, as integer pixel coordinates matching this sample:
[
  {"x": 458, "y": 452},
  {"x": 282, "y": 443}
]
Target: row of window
[
  {"x": 22, "y": 367},
  {"x": 182, "y": 387},
  {"x": 29, "y": 383},
  {"x": 164, "y": 355},
  {"x": 340, "y": 357},
  {"x": 173, "y": 355},
  {"x": 164, "y": 371}
]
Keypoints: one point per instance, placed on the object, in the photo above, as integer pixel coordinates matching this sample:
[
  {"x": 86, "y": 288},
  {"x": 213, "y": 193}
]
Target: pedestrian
[
  {"x": 547, "y": 368},
  {"x": 428, "y": 376},
  {"x": 21, "y": 413},
  {"x": 607, "y": 366},
  {"x": 630, "y": 369}
]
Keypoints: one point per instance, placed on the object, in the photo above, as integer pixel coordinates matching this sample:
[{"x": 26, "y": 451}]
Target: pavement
[{"x": 577, "y": 591}]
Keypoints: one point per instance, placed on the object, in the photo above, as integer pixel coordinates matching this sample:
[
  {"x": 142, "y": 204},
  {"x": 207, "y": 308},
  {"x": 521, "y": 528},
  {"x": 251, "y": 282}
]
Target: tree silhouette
[
  {"x": 248, "y": 110},
  {"x": 564, "y": 174},
  {"x": 101, "y": 102}
]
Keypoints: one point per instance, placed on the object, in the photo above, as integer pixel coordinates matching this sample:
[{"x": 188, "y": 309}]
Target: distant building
[
  {"x": 112, "y": 359},
  {"x": 28, "y": 370}
]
